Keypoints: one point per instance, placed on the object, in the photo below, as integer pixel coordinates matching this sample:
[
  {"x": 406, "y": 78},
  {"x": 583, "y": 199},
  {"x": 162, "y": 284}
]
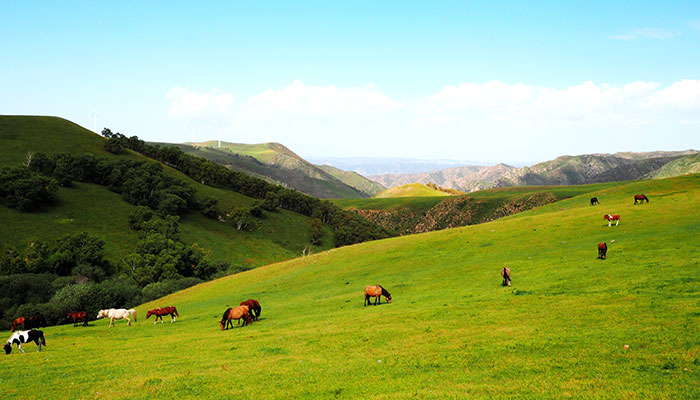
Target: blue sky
[{"x": 490, "y": 82}]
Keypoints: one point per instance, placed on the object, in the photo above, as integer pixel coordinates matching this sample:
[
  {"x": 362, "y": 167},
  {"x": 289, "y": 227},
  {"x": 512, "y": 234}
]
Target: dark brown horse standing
[
  {"x": 235, "y": 313},
  {"x": 254, "y": 307},
  {"x": 640, "y": 198},
  {"x": 160, "y": 312},
  {"x": 35, "y": 321},
  {"x": 376, "y": 291},
  {"x": 602, "y": 250},
  {"x": 78, "y": 316},
  {"x": 505, "y": 274}
]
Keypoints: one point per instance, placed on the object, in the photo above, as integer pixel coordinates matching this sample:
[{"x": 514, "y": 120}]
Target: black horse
[{"x": 594, "y": 201}]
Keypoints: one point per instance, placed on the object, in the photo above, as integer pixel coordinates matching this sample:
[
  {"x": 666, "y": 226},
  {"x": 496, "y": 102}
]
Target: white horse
[{"x": 117, "y": 313}]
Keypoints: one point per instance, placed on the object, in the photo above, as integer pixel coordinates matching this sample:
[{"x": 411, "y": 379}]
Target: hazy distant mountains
[
  {"x": 565, "y": 170},
  {"x": 367, "y": 166}
]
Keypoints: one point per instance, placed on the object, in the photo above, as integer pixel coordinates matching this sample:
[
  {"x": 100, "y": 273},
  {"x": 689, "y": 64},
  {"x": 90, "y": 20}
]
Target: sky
[{"x": 490, "y": 82}]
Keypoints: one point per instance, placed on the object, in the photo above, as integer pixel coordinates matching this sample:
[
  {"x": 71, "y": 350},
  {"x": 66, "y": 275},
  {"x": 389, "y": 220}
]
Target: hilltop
[
  {"x": 97, "y": 210},
  {"x": 570, "y": 324},
  {"x": 411, "y": 190}
]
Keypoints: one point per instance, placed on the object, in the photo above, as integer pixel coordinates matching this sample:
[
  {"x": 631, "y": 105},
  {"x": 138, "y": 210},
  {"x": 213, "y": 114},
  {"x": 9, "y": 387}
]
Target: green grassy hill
[
  {"x": 411, "y": 190},
  {"x": 354, "y": 179},
  {"x": 87, "y": 207},
  {"x": 275, "y": 162},
  {"x": 451, "y": 331},
  {"x": 689, "y": 164}
]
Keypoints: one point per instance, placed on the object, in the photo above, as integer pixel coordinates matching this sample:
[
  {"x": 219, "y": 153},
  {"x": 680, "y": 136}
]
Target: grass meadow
[{"x": 451, "y": 330}]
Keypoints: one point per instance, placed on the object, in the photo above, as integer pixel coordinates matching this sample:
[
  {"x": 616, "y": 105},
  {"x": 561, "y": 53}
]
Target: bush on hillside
[
  {"x": 157, "y": 290},
  {"x": 25, "y": 190}
]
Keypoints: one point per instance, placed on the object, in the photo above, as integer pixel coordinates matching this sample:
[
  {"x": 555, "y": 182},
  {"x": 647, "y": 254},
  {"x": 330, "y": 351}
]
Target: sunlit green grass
[{"x": 451, "y": 331}]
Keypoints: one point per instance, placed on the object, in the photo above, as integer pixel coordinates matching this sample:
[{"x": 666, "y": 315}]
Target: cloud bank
[{"x": 470, "y": 115}]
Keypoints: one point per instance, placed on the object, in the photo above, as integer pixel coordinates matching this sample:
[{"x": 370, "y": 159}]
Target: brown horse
[
  {"x": 160, "y": 312},
  {"x": 376, "y": 291},
  {"x": 235, "y": 313},
  {"x": 77, "y": 316},
  {"x": 602, "y": 250},
  {"x": 35, "y": 321},
  {"x": 640, "y": 198},
  {"x": 505, "y": 274},
  {"x": 254, "y": 307},
  {"x": 612, "y": 217}
]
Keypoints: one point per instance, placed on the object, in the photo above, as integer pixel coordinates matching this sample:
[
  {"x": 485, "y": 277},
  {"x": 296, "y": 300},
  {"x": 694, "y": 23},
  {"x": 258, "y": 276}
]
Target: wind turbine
[{"x": 94, "y": 126}]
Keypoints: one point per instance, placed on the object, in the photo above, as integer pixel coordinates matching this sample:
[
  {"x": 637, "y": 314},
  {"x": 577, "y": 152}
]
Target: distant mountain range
[
  {"x": 367, "y": 166},
  {"x": 276, "y": 163},
  {"x": 565, "y": 170}
]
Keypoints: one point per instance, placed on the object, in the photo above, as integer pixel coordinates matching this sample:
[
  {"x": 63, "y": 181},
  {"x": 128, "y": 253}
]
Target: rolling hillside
[
  {"x": 94, "y": 209},
  {"x": 570, "y": 326},
  {"x": 275, "y": 162}
]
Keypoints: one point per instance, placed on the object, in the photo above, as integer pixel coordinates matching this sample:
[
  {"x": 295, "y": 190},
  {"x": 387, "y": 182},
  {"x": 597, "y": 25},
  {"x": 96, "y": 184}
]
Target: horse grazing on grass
[
  {"x": 117, "y": 313},
  {"x": 160, "y": 312},
  {"x": 254, "y": 307},
  {"x": 505, "y": 274},
  {"x": 612, "y": 217},
  {"x": 594, "y": 201},
  {"x": 77, "y": 316},
  {"x": 35, "y": 321},
  {"x": 602, "y": 250},
  {"x": 235, "y": 313},
  {"x": 20, "y": 337},
  {"x": 640, "y": 198},
  {"x": 376, "y": 291}
]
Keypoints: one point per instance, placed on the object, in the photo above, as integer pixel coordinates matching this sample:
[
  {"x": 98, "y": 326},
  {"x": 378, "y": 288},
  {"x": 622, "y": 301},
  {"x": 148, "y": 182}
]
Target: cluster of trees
[
  {"x": 139, "y": 182},
  {"x": 26, "y": 190},
  {"x": 349, "y": 227},
  {"x": 72, "y": 273}
]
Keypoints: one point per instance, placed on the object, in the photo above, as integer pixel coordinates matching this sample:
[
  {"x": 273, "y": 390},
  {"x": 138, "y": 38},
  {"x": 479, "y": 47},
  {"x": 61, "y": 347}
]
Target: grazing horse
[
  {"x": 35, "y": 321},
  {"x": 602, "y": 250},
  {"x": 594, "y": 201},
  {"x": 20, "y": 337},
  {"x": 235, "y": 313},
  {"x": 376, "y": 291},
  {"x": 505, "y": 274},
  {"x": 612, "y": 217},
  {"x": 117, "y": 313},
  {"x": 254, "y": 307},
  {"x": 78, "y": 316},
  {"x": 640, "y": 198},
  {"x": 160, "y": 312}
]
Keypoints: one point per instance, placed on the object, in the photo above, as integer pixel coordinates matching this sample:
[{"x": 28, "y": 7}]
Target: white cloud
[
  {"x": 190, "y": 104},
  {"x": 645, "y": 33},
  {"x": 322, "y": 101}
]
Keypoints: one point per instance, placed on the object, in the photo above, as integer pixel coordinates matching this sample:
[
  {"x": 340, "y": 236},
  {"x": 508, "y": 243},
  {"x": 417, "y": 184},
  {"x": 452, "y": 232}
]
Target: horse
[
  {"x": 117, "y": 313},
  {"x": 612, "y": 217},
  {"x": 254, "y": 307},
  {"x": 505, "y": 274},
  {"x": 160, "y": 312},
  {"x": 35, "y": 321},
  {"x": 78, "y": 316},
  {"x": 376, "y": 291},
  {"x": 602, "y": 250},
  {"x": 27, "y": 336},
  {"x": 235, "y": 313},
  {"x": 640, "y": 198},
  {"x": 594, "y": 201}
]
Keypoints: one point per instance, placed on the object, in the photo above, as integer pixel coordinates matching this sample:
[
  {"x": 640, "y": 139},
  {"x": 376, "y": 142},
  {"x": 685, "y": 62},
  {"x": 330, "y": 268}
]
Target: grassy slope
[
  {"x": 93, "y": 208},
  {"x": 451, "y": 331},
  {"x": 411, "y": 190},
  {"x": 354, "y": 179}
]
